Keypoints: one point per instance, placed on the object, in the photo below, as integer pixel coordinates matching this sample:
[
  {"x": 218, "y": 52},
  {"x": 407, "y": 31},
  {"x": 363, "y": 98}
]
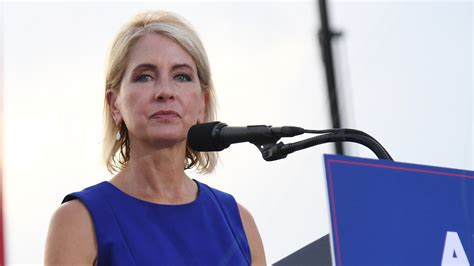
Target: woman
[{"x": 158, "y": 85}]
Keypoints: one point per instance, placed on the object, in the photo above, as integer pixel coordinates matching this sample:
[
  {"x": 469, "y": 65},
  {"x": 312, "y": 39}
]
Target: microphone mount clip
[{"x": 271, "y": 151}]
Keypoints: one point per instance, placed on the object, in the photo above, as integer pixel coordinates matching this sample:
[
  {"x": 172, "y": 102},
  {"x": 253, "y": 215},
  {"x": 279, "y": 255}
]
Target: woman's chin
[{"x": 167, "y": 140}]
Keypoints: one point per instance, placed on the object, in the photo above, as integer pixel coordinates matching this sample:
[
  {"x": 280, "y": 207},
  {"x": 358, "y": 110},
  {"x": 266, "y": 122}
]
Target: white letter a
[{"x": 454, "y": 253}]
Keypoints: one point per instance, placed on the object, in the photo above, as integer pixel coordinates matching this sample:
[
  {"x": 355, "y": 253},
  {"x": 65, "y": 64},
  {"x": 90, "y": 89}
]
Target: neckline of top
[{"x": 120, "y": 192}]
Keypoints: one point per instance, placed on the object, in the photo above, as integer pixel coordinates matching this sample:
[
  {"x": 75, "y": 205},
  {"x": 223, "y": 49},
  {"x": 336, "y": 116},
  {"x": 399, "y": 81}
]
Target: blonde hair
[{"x": 117, "y": 153}]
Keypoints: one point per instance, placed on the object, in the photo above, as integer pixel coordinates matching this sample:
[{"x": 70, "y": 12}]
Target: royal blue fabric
[{"x": 130, "y": 231}]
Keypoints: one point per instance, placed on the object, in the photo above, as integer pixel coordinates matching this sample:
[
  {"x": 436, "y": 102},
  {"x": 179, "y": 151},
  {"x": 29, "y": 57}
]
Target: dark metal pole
[
  {"x": 325, "y": 38},
  {"x": 319, "y": 251}
]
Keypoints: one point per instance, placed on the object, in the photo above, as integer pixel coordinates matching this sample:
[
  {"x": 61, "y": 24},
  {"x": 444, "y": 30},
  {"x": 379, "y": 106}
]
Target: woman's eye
[
  {"x": 143, "y": 78},
  {"x": 182, "y": 78}
]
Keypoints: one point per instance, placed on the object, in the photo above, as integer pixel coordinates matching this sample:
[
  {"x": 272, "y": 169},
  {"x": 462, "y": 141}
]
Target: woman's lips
[{"x": 165, "y": 114}]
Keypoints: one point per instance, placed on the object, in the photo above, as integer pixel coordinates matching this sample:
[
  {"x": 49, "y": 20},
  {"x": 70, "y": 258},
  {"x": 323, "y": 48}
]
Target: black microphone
[{"x": 216, "y": 136}]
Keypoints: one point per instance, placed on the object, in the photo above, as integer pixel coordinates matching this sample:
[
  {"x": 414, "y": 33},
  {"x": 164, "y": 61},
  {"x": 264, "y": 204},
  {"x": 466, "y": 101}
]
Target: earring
[{"x": 118, "y": 135}]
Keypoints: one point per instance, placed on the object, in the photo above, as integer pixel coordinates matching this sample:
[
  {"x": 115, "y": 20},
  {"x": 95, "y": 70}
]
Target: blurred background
[{"x": 404, "y": 72}]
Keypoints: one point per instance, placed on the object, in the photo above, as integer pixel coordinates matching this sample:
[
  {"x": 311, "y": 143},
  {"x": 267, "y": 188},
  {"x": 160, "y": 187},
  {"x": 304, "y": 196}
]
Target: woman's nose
[{"x": 164, "y": 92}]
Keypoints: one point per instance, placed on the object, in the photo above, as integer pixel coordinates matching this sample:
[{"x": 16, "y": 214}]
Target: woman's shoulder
[
  {"x": 71, "y": 217},
  {"x": 253, "y": 237},
  {"x": 247, "y": 222},
  {"x": 70, "y": 211},
  {"x": 71, "y": 235}
]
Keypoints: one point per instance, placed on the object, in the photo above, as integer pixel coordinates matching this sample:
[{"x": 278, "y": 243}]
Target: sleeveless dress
[{"x": 130, "y": 231}]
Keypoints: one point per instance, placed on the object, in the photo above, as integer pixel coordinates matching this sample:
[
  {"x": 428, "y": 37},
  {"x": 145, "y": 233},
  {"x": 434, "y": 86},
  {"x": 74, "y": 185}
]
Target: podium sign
[{"x": 389, "y": 213}]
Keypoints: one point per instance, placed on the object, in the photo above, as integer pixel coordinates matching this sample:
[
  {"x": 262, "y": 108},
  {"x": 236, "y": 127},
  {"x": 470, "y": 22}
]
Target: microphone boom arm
[{"x": 275, "y": 151}]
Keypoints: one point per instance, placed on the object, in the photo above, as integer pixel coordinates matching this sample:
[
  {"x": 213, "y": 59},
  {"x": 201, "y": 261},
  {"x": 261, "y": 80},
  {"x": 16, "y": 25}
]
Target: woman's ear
[{"x": 114, "y": 104}]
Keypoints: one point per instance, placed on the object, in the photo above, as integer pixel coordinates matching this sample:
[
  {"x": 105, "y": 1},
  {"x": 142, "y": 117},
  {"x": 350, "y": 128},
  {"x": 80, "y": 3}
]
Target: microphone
[{"x": 216, "y": 136}]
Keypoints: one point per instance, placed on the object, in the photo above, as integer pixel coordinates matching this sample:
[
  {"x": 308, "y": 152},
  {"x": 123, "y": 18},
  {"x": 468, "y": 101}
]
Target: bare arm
[
  {"x": 253, "y": 237},
  {"x": 71, "y": 237}
]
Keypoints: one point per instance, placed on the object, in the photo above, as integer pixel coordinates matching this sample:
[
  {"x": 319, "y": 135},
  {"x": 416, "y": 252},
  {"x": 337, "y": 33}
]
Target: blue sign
[{"x": 390, "y": 213}]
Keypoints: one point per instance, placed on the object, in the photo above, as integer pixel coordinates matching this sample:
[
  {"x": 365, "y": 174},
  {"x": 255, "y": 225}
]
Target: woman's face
[{"x": 160, "y": 95}]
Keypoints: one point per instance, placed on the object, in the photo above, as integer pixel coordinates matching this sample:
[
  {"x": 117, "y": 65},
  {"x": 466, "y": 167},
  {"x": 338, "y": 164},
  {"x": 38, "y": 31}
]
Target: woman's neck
[{"x": 157, "y": 175}]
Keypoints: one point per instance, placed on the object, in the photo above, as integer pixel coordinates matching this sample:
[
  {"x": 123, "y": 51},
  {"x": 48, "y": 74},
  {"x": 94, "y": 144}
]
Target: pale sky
[{"x": 406, "y": 72}]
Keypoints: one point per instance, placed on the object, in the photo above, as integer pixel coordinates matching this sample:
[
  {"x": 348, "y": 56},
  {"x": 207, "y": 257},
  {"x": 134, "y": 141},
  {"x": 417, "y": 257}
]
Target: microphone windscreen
[{"x": 201, "y": 137}]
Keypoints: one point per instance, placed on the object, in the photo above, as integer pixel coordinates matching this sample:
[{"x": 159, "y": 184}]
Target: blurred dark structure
[
  {"x": 325, "y": 36},
  {"x": 319, "y": 251}
]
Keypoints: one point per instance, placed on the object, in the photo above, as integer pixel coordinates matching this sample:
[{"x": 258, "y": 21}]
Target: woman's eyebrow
[
  {"x": 146, "y": 66},
  {"x": 184, "y": 65}
]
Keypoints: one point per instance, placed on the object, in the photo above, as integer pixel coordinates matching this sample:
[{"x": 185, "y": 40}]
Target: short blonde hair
[{"x": 117, "y": 153}]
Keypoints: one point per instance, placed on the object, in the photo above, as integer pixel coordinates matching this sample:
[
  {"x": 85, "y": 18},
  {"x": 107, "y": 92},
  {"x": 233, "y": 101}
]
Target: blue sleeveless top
[{"x": 130, "y": 231}]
